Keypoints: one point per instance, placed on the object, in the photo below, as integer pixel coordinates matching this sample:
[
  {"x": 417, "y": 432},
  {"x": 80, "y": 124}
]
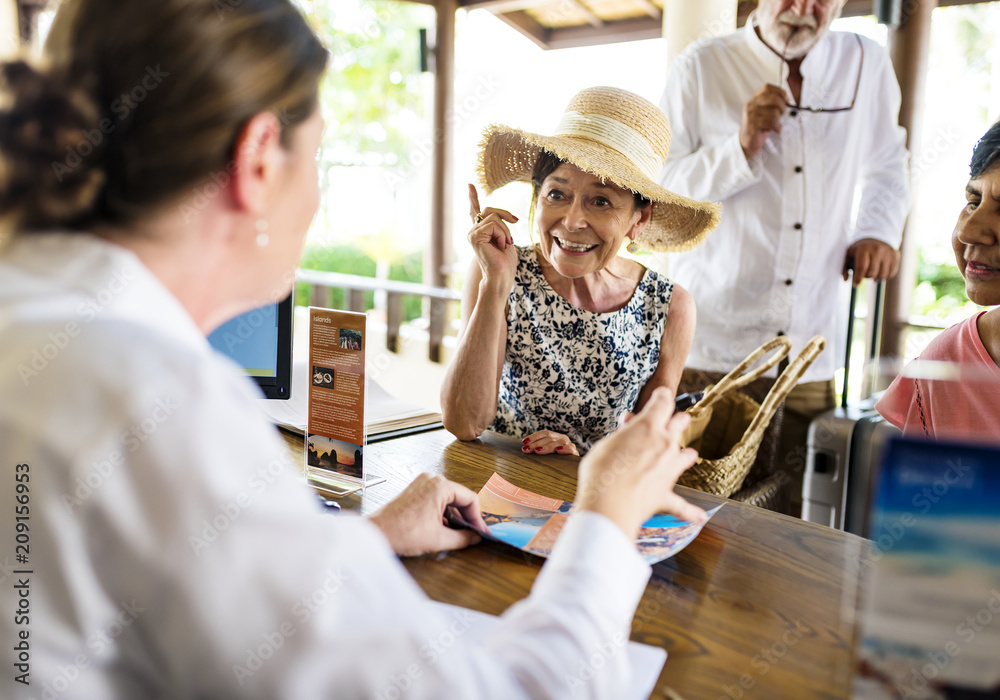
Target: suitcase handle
[
  {"x": 850, "y": 333},
  {"x": 876, "y": 329}
]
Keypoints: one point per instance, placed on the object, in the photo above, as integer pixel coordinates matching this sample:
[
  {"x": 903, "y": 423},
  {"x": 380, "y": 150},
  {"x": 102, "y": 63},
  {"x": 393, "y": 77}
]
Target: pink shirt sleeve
[
  {"x": 895, "y": 404},
  {"x": 968, "y": 409}
]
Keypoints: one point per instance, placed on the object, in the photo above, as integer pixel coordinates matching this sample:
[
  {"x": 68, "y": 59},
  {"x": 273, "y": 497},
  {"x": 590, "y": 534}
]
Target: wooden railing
[{"x": 323, "y": 282}]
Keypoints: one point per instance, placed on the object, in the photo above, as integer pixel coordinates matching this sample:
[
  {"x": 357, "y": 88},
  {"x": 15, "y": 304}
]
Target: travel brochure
[
  {"x": 335, "y": 435},
  {"x": 930, "y": 624},
  {"x": 532, "y": 523}
]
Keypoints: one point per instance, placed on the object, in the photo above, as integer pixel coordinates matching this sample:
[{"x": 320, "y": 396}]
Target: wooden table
[{"x": 760, "y": 605}]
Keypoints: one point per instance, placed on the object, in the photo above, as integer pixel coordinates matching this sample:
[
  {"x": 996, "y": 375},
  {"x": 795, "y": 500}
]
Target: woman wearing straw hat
[{"x": 561, "y": 338}]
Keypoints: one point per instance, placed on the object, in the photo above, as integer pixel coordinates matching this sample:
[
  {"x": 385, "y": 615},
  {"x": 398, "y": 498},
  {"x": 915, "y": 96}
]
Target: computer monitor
[{"x": 260, "y": 341}]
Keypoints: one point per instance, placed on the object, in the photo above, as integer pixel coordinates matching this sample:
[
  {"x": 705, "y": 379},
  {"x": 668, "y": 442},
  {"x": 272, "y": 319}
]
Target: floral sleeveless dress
[{"x": 571, "y": 370}]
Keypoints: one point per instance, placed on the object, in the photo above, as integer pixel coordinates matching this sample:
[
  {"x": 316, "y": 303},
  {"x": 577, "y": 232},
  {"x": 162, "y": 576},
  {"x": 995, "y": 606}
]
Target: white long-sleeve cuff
[
  {"x": 747, "y": 170},
  {"x": 593, "y": 553}
]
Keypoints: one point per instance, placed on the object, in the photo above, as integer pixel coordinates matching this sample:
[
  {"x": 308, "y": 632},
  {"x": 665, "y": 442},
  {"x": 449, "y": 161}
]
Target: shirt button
[
  {"x": 798, "y": 226},
  {"x": 788, "y": 283},
  {"x": 793, "y": 113},
  {"x": 798, "y": 168},
  {"x": 781, "y": 333}
]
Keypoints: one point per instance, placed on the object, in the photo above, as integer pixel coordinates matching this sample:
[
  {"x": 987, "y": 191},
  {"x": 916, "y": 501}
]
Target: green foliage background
[
  {"x": 373, "y": 87},
  {"x": 370, "y": 97},
  {"x": 351, "y": 260}
]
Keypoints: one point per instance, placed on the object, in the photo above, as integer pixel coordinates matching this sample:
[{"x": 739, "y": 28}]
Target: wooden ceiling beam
[
  {"x": 527, "y": 25},
  {"x": 611, "y": 32},
  {"x": 597, "y": 31},
  {"x": 498, "y": 7}
]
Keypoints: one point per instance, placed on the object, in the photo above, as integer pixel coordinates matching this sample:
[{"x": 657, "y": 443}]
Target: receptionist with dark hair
[{"x": 160, "y": 565}]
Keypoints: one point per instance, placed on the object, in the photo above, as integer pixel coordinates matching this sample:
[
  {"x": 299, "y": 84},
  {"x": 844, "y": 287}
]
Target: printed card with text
[{"x": 335, "y": 432}]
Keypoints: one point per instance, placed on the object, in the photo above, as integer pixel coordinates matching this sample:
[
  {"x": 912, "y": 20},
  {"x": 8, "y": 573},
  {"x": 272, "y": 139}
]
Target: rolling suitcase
[{"x": 844, "y": 446}]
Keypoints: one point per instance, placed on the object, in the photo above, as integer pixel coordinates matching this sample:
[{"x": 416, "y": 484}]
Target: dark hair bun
[{"x": 51, "y": 146}]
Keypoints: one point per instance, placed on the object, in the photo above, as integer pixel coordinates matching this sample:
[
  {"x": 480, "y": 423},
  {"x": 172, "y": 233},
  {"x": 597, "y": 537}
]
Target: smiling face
[
  {"x": 796, "y": 24},
  {"x": 582, "y": 221},
  {"x": 975, "y": 242}
]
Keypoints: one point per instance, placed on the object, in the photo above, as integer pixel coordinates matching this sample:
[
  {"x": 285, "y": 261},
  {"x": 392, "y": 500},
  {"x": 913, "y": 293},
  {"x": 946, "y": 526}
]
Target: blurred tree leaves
[
  {"x": 372, "y": 95},
  {"x": 944, "y": 278}
]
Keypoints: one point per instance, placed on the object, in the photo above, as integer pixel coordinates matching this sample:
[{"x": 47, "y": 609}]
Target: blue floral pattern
[{"x": 571, "y": 370}]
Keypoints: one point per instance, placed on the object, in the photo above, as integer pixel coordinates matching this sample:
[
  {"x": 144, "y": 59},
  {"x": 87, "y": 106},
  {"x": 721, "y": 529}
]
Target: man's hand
[
  {"x": 761, "y": 115},
  {"x": 873, "y": 259},
  {"x": 415, "y": 522}
]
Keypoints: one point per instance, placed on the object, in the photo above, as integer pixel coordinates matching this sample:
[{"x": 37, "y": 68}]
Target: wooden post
[
  {"x": 439, "y": 308},
  {"x": 319, "y": 296},
  {"x": 356, "y": 300},
  {"x": 909, "y": 45},
  {"x": 393, "y": 319},
  {"x": 441, "y": 184}
]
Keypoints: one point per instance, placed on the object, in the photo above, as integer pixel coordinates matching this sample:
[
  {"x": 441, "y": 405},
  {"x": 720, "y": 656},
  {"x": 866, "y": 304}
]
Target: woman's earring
[
  {"x": 262, "y": 238},
  {"x": 632, "y": 247}
]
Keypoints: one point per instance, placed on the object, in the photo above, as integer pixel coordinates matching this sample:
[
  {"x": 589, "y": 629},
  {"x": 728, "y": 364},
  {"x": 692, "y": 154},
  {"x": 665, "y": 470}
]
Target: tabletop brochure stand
[{"x": 335, "y": 432}]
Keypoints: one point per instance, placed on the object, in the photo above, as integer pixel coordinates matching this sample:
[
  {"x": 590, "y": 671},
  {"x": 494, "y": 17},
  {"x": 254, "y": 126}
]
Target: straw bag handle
[
  {"x": 740, "y": 377},
  {"x": 786, "y": 382}
]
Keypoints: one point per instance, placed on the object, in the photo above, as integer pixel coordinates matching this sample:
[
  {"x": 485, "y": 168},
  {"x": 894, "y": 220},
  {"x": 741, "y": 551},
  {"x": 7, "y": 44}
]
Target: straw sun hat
[{"x": 617, "y": 136}]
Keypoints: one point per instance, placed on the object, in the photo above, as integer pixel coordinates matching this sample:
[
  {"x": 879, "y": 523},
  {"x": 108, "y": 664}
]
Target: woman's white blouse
[{"x": 174, "y": 552}]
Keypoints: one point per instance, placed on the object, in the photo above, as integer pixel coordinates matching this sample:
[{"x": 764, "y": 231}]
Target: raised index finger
[{"x": 473, "y": 201}]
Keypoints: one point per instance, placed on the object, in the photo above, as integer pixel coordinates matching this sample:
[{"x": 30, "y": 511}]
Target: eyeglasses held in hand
[{"x": 827, "y": 110}]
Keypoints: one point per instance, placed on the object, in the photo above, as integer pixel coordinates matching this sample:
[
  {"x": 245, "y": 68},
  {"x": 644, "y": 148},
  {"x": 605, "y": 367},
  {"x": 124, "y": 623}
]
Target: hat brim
[{"x": 678, "y": 223}]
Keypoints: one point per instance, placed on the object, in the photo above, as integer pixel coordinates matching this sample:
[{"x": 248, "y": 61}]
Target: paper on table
[
  {"x": 646, "y": 661},
  {"x": 532, "y": 522}
]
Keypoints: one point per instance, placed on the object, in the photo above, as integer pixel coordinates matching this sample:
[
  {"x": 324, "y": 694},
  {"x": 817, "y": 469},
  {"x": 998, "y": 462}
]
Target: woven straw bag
[{"x": 727, "y": 425}]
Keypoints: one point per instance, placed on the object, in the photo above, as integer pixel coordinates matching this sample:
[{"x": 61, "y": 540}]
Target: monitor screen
[{"x": 260, "y": 341}]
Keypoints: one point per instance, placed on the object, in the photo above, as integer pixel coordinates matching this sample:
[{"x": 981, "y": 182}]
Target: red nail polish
[
  {"x": 525, "y": 441},
  {"x": 538, "y": 449},
  {"x": 525, "y": 449}
]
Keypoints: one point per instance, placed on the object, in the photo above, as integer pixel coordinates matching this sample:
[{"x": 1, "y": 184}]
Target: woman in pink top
[{"x": 968, "y": 408}]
